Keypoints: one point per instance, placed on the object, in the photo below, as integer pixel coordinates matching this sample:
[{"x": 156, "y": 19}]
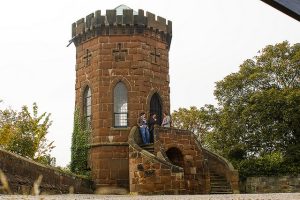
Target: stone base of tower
[{"x": 110, "y": 168}]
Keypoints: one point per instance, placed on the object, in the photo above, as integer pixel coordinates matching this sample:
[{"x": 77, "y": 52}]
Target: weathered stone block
[
  {"x": 193, "y": 170},
  {"x": 88, "y": 21},
  {"x": 119, "y": 20},
  {"x": 161, "y": 24},
  {"x": 151, "y": 22},
  {"x": 150, "y": 173},
  {"x": 111, "y": 16},
  {"x": 73, "y": 30},
  {"x": 169, "y": 27},
  {"x": 80, "y": 26},
  {"x": 128, "y": 16},
  {"x": 140, "y": 18}
]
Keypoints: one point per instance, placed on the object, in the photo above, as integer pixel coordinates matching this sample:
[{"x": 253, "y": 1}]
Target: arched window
[
  {"x": 120, "y": 105},
  {"x": 87, "y": 104}
]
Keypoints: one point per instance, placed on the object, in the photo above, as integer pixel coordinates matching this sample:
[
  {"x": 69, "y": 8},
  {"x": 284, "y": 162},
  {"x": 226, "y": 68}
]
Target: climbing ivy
[{"x": 80, "y": 145}]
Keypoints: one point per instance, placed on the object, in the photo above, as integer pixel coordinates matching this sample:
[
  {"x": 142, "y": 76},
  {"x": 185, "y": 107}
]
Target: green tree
[
  {"x": 80, "y": 145},
  {"x": 260, "y": 104},
  {"x": 256, "y": 124},
  {"x": 25, "y": 133},
  {"x": 198, "y": 121}
]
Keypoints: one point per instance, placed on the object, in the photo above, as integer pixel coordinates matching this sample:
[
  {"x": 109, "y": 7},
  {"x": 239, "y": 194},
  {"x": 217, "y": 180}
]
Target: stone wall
[
  {"x": 110, "y": 165},
  {"x": 279, "y": 184},
  {"x": 22, "y": 173}
]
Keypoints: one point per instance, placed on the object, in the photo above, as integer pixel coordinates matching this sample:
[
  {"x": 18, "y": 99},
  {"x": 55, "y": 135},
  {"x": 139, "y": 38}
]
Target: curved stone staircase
[
  {"x": 218, "y": 183},
  {"x": 220, "y": 175}
]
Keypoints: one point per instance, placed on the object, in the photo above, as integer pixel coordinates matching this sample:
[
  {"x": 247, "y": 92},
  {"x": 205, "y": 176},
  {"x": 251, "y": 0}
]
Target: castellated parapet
[{"x": 129, "y": 23}]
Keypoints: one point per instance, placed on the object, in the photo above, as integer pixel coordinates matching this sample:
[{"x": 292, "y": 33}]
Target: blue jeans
[{"x": 145, "y": 134}]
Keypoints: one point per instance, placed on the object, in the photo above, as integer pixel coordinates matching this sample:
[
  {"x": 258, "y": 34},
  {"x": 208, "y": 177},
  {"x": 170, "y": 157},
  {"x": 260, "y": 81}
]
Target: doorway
[{"x": 156, "y": 106}]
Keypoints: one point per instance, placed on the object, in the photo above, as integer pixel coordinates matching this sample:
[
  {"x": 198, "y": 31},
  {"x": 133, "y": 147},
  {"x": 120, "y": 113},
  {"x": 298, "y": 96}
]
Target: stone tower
[{"x": 122, "y": 69}]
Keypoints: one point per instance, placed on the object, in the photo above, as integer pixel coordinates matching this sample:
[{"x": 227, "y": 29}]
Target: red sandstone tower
[{"x": 122, "y": 69}]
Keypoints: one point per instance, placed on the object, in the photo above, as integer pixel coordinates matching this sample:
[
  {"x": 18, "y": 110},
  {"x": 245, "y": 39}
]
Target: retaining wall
[
  {"x": 22, "y": 173},
  {"x": 279, "y": 184}
]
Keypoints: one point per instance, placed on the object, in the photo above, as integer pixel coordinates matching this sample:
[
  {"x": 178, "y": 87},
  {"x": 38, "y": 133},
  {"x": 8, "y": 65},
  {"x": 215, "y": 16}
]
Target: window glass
[{"x": 120, "y": 105}]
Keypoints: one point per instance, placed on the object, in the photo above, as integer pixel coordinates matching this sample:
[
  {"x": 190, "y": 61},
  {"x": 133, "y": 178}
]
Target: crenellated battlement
[{"x": 130, "y": 22}]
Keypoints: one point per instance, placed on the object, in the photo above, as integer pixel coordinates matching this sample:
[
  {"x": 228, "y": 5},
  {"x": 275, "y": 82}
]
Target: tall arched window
[
  {"x": 120, "y": 105},
  {"x": 87, "y": 104}
]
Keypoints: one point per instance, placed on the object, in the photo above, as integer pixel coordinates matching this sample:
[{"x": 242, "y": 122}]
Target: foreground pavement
[{"x": 270, "y": 196}]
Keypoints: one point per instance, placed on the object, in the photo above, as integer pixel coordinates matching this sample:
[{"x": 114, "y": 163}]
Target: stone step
[
  {"x": 219, "y": 184},
  {"x": 221, "y": 187},
  {"x": 217, "y": 192},
  {"x": 217, "y": 178},
  {"x": 148, "y": 147},
  {"x": 151, "y": 151},
  {"x": 216, "y": 175},
  {"x": 220, "y": 191}
]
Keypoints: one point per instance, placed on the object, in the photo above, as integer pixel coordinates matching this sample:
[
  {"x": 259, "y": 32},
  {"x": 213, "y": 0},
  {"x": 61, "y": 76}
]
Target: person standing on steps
[
  {"x": 166, "y": 120},
  {"x": 152, "y": 121},
  {"x": 144, "y": 130}
]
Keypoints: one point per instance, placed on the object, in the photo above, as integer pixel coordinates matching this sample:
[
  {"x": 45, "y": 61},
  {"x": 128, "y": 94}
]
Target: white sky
[{"x": 211, "y": 38}]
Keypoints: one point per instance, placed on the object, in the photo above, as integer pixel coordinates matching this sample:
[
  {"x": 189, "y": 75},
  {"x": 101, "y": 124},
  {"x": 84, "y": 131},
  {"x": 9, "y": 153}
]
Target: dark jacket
[{"x": 151, "y": 123}]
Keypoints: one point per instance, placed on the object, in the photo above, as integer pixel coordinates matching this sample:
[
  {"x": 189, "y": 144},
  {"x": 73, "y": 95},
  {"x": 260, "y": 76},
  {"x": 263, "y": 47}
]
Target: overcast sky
[{"x": 211, "y": 38}]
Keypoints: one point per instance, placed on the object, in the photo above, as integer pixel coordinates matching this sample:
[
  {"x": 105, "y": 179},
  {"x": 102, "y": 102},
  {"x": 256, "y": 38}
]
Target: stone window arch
[
  {"x": 120, "y": 105},
  {"x": 87, "y": 104}
]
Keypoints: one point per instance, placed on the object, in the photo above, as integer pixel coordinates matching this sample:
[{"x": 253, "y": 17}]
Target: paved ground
[{"x": 272, "y": 196}]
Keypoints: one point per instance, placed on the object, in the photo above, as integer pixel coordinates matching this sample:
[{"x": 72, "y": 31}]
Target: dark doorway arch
[
  {"x": 156, "y": 106},
  {"x": 175, "y": 156}
]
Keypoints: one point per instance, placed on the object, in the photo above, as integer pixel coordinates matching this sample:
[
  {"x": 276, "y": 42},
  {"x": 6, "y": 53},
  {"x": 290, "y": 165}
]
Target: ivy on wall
[{"x": 80, "y": 145}]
